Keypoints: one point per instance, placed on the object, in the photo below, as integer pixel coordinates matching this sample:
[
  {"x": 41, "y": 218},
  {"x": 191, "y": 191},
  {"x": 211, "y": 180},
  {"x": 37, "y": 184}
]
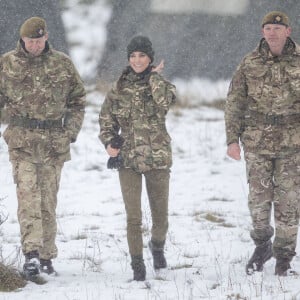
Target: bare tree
[{"x": 128, "y": 19}]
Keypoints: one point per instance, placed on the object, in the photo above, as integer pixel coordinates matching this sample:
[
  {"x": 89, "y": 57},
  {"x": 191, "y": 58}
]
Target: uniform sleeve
[
  {"x": 163, "y": 92},
  {"x": 75, "y": 105},
  {"x": 2, "y": 103},
  {"x": 109, "y": 126},
  {"x": 2, "y": 96},
  {"x": 235, "y": 106}
]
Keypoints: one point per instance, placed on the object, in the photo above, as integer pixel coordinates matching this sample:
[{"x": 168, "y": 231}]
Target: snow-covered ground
[{"x": 208, "y": 242}]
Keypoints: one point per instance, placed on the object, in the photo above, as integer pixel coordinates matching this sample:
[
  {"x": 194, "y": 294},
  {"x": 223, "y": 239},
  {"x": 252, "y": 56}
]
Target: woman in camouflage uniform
[{"x": 134, "y": 111}]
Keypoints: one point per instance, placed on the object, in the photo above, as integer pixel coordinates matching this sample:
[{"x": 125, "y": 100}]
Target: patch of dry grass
[{"x": 10, "y": 279}]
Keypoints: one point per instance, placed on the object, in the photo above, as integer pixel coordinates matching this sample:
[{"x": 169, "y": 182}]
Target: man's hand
[{"x": 234, "y": 151}]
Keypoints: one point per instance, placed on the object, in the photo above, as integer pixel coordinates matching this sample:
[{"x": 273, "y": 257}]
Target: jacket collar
[{"x": 290, "y": 48}]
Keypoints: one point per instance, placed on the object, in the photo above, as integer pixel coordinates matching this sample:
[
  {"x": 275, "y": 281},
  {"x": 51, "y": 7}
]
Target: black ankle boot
[
  {"x": 283, "y": 267},
  {"x": 46, "y": 266},
  {"x": 138, "y": 267},
  {"x": 157, "y": 250},
  {"x": 261, "y": 254},
  {"x": 31, "y": 266}
]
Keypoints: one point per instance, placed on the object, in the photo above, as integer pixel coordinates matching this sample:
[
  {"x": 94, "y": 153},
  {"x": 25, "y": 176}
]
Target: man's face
[
  {"x": 276, "y": 35},
  {"x": 35, "y": 46}
]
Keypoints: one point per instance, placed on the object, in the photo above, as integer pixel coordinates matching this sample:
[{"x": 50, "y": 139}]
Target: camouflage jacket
[
  {"x": 46, "y": 87},
  {"x": 136, "y": 108},
  {"x": 263, "y": 103}
]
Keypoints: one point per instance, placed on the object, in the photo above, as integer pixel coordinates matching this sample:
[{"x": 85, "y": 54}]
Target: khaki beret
[
  {"x": 275, "y": 17},
  {"x": 34, "y": 27}
]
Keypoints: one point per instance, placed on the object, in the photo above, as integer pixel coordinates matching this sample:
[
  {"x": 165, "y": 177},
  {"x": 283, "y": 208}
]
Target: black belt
[
  {"x": 35, "y": 123},
  {"x": 255, "y": 118}
]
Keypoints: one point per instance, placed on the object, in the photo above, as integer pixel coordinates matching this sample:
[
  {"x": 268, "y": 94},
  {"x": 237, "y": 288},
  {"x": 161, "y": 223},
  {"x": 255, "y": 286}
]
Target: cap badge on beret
[
  {"x": 276, "y": 17},
  {"x": 34, "y": 27}
]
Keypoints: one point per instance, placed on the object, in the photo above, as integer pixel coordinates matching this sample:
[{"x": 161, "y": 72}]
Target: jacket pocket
[
  {"x": 14, "y": 137},
  {"x": 60, "y": 142},
  {"x": 251, "y": 138},
  {"x": 15, "y": 84},
  {"x": 121, "y": 111},
  {"x": 255, "y": 81},
  {"x": 293, "y": 79}
]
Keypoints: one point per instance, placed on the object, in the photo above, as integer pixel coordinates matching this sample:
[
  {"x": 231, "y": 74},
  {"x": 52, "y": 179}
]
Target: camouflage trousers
[
  {"x": 274, "y": 183},
  {"x": 37, "y": 187},
  {"x": 157, "y": 186}
]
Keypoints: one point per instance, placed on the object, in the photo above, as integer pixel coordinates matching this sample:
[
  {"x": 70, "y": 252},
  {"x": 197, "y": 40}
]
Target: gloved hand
[
  {"x": 117, "y": 142},
  {"x": 116, "y": 162}
]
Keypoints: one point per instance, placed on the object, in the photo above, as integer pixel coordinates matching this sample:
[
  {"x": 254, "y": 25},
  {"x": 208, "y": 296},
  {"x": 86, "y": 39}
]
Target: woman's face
[{"x": 139, "y": 61}]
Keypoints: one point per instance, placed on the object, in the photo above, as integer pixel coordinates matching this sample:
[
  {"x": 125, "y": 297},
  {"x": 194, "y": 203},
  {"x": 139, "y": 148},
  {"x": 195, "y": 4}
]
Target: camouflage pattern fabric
[
  {"x": 137, "y": 106},
  {"x": 46, "y": 87},
  {"x": 263, "y": 112},
  {"x": 274, "y": 181},
  {"x": 37, "y": 187},
  {"x": 157, "y": 184},
  {"x": 265, "y": 85}
]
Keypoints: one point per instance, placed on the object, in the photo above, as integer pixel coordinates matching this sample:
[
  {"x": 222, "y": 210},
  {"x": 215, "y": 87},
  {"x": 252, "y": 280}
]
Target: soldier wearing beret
[
  {"x": 263, "y": 114},
  {"x": 44, "y": 99},
  {"x": 135, "y": 110}
]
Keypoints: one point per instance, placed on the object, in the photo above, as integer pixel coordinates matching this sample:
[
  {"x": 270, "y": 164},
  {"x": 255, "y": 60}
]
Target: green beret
[
  {"x": 34, "y": 27},
  {"x": 142, "y": 44},
  {"x": 275, "y": 17}
]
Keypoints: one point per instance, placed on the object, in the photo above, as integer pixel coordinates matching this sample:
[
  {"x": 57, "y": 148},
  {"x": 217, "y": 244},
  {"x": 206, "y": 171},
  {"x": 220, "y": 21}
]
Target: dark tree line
[{"x": 193, "y": 45}]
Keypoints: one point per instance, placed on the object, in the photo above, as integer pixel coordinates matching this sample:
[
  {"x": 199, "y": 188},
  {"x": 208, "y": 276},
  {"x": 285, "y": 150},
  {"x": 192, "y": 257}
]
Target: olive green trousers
[{"x": 157, "y": 186}]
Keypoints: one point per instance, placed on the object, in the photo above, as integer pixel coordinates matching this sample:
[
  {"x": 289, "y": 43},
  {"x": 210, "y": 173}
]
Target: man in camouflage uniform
[
  {"x": 263, "y": 111},
  {"x": 44, "y": 99},
  {"x": 136, "y": 108}
]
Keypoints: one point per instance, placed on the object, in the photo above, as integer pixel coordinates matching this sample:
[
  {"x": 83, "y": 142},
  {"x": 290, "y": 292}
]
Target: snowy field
[{"x": 208, "y": 242}]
